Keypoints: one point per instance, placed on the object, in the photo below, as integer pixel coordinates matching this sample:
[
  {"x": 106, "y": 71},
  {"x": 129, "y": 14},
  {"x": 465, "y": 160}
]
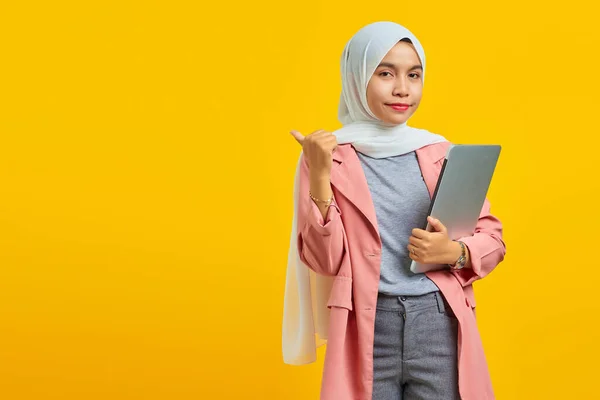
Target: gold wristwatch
[{"x": 462, "y": 260}]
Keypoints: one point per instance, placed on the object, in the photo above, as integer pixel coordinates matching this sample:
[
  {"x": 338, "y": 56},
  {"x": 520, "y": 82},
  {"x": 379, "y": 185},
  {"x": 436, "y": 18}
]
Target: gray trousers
[{"x": 415, "y": 349}]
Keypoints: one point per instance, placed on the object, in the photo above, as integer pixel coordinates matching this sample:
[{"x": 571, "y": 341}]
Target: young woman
[{"x": 360, "y": 195}]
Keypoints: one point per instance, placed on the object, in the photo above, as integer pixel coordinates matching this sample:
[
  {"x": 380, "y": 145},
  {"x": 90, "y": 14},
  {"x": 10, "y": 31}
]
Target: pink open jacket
[{"x": 347, "y": 245}]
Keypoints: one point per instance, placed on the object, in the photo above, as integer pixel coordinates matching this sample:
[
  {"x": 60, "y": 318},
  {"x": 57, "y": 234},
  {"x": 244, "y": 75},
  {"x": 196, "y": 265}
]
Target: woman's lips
[{"x": 399, "y": 107}]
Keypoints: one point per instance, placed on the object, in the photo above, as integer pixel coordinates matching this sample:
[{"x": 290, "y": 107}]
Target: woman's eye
[
  {"x": 416, "y": 76},
  {"x": 384, "y": 72}
]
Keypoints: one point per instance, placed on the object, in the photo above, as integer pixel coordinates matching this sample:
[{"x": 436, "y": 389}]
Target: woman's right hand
[{"x": 318, "y": 148}]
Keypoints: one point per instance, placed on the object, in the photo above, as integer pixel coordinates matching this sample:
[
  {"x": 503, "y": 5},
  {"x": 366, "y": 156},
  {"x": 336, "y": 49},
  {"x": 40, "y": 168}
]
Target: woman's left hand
[{"x": 433, "y": 247}]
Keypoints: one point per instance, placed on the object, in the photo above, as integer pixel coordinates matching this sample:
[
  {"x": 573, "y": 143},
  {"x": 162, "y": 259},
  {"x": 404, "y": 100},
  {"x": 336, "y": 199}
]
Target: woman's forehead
[{"x": 402, "y": 54}]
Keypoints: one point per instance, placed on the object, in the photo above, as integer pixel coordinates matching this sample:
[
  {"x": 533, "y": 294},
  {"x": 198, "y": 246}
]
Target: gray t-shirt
[{"x": 401, "y": 202}]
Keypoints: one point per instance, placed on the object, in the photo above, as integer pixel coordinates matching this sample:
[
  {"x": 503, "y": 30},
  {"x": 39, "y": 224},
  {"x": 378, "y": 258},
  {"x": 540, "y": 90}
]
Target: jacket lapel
[
  {"x": 430, "y": 161},
  {"x": 348, "y": 177}
]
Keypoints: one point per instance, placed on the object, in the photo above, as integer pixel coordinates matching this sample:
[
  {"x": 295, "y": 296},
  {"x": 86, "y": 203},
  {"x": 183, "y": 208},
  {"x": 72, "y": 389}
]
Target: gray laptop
[{"x": 461, "y": 191}]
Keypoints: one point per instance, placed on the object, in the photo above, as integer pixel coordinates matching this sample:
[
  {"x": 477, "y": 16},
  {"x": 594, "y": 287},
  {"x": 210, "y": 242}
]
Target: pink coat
[{"x": 348, "y": 247}]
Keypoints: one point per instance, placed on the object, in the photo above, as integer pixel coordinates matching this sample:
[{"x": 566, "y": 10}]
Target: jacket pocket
[{"x": 341, "y": 293}]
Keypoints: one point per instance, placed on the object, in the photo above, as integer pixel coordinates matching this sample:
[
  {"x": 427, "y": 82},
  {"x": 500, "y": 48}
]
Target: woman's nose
[{"x": 401, "y": 88}]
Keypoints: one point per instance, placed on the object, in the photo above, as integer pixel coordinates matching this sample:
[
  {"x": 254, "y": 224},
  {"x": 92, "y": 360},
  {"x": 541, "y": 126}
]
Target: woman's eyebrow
[{"x": 390, "y": 65}]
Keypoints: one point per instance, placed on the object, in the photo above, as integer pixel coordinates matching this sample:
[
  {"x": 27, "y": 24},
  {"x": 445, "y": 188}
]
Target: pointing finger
[{"x": 298, "y": 136}]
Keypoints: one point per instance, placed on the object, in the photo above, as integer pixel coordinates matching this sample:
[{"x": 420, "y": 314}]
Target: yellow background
[{"x": 146, "y": 177}]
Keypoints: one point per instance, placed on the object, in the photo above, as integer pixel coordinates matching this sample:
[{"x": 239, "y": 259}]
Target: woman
[{"x": 360, "y": 195}]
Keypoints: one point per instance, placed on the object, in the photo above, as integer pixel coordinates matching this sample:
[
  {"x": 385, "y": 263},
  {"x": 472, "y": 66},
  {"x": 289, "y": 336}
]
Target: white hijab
[{"x": 306, "y": 316}]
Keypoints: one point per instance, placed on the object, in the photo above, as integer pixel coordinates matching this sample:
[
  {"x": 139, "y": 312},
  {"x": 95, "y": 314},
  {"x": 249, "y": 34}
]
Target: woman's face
[{"x": 394, "y": 91}]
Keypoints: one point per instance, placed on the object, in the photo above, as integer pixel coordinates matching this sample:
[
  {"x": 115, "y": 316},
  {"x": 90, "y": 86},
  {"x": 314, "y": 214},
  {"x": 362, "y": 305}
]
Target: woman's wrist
[
  {"x": 456, "y": 253},
  {"x": 320, "y": 188},
  {"x": 320, "y": 175}
]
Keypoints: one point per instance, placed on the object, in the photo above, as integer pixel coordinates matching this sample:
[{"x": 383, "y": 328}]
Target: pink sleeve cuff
[{"x": 315, "y": 218}]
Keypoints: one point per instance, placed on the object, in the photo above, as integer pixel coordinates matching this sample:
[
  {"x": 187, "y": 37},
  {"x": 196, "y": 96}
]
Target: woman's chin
[{"x": 395, "y": 119}]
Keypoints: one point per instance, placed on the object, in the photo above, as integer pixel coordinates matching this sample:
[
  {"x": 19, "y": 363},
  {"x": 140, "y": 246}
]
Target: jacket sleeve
[
  {"x": 321, "y": 242},
  {"x": 486, "y": 248}
]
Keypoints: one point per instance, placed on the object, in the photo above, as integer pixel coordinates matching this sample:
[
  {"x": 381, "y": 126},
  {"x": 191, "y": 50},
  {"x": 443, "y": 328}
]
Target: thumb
[
  {"x": 436, "y": 224},
  {"x": 298, "y": 136}
]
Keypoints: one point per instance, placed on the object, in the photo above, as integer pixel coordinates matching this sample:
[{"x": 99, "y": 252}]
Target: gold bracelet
[{"x": 327, "y": 202}]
